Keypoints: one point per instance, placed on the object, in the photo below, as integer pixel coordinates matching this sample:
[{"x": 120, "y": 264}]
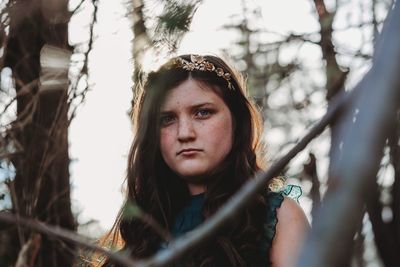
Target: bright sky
[{"x": 100, "y": 135}]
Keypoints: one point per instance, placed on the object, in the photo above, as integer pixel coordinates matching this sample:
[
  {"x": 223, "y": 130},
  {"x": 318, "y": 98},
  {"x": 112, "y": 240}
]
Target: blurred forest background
[{"x": 292, "y": 76}]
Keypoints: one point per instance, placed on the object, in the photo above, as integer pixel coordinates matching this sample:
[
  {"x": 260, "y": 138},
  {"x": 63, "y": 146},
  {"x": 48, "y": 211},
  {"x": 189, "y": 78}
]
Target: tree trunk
[
  {"x": 335, "y": 77},
  {"x": 310, "y": 173},
  {"x": 41, "y": 185},
  {"x": 140, "y": 42}
]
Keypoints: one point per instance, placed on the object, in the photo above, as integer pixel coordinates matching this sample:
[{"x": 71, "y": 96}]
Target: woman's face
[{"x": 196, "y": 131}]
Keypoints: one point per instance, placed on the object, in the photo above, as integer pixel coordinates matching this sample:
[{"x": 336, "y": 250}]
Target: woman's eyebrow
[
  {"x": 166, "y": 112},
  {"x": 201, "y": 105},
  {"x": 194, "y": 106}
]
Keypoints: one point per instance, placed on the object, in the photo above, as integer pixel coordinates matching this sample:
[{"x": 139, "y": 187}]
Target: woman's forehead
[{"x": 191, "y": 93}]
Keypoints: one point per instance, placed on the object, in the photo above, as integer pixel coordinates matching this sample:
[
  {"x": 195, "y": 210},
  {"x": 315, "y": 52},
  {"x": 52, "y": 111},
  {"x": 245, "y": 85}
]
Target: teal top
[
  {"x": 191, "y": 216},
  {"x": 274, "y": 201}
]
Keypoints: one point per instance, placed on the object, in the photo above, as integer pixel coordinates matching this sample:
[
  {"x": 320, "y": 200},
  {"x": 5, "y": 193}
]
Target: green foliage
[
  {"x": 132, "y": 210},
  {"x": 174, "y": 22},
  {"x": 176, "y": 17}
]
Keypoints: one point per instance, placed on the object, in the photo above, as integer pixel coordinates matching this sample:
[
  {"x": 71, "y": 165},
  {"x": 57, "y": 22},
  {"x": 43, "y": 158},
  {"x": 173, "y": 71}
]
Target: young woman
[{"x": 196, "y": 142}]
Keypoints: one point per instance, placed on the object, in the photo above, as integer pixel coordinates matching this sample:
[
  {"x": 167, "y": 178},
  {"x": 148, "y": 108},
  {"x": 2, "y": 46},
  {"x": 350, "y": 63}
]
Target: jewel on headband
[{"x": 200, "y": 63}]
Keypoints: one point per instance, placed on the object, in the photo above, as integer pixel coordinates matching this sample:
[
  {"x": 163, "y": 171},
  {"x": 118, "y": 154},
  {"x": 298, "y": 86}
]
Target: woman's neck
[{"x": 195, "y": 189}]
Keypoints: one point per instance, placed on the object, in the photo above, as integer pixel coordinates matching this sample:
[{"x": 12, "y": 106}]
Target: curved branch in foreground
[
  {"x": 356, "y": 163},
  {"x": 181, "y": 245},
  {"x": 66, "y": 235},
  {"x": 244, "y": 196}
]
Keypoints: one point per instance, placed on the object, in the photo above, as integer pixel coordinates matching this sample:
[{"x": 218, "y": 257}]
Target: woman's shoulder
[
  {"x": 285, "y": 199},
  {"x": 291, "y": 226},
  {"x": 277, "y": 199},
  {"x": 290, "y": 212}
]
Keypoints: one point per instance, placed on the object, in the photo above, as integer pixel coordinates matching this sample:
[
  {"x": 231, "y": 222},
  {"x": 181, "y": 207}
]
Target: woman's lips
[{"x": 188, "y": 151}]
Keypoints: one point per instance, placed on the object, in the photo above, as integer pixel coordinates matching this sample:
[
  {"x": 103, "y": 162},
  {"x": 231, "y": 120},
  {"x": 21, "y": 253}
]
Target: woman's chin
[{"x": 194, "y": 176}]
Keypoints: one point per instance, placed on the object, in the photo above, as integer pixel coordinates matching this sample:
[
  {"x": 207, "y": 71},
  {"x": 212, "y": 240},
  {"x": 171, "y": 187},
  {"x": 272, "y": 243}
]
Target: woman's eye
[
  {"x": 203, "y": 113},
  {"x": 166, "y": 119}
]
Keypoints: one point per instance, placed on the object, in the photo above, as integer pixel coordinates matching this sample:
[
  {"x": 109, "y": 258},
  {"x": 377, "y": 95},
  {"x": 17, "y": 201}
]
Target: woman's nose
[{"x": 186, "y": 131}]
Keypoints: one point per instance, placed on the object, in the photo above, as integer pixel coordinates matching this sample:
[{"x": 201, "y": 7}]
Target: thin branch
[
  {"x": 178, "y": 247},
  {"x": 84, "y": 70},
  {"x": 76, "y": 8},
  {"x": 147, "y": 218},
  {"x": 244, "y": 196},
  {"x": 81, "y": 94},
  {"x": 310, "y": 173},
  {"x": 24, "y": 117},
  {"x": 55, "y": 231},
  {"x": 29, "y": 252},
  {"x": 14, "y": 202},
  {"x": 233, "y": 207},
  {"x": 48, "y": 157},
  {"x": 321, "y": 8},
  {"x": 26, "y": 89}
]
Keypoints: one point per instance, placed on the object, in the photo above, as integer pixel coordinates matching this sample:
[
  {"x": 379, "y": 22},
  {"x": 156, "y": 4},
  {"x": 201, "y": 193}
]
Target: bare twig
[
  {"x": 131, "y": 209},
  {"x": 84, "y": 70},
  {"x": 147, "y": 218},
  {"x": 26, "y": 89},
  {"x": 14, "y": 201},
  {"x": 70, "y": 236},
  {"x": 26, "y": 115},
  {"x": 235, "y": 205},
  {"x": 178, "y": 247},
  {"x": 310, "y": 173},
  {"x": 55, "y": 132},
  {"x": 28, "y": 252},
  {"x": 77, "y": 7}
]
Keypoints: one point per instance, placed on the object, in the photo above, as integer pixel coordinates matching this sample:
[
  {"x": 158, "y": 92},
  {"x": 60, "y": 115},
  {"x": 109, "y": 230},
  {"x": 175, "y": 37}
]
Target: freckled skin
[{"x": 196, "y": 132}]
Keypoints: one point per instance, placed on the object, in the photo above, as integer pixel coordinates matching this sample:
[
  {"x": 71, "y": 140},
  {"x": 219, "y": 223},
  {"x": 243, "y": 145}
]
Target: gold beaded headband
[{"x": 200, "y": 63}]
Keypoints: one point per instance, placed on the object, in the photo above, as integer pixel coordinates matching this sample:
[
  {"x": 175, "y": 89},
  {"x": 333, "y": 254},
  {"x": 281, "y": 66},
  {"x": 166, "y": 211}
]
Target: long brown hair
[{"x": 161, "y": 193}]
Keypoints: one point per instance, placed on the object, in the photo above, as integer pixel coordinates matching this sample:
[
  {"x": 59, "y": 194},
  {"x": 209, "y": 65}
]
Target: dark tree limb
[
  {"x": 335, "y": 77},
  {"x": 64, "y": 234},
  {"x": 385, "y": 239},
  {"x": 355, "y": 165},
  {"x": 310, "y": 172},
  {"x": 394, "y": 141},
  {"x": 243, "y": 197},
  {"x": 182, "y": 245}
]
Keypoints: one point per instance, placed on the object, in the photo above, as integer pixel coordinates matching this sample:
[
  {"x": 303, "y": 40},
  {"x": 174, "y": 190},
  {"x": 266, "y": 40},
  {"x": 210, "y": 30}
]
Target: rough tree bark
[
  {"x": 41, "y": 185},
  {"x": 140, "y": 42}
]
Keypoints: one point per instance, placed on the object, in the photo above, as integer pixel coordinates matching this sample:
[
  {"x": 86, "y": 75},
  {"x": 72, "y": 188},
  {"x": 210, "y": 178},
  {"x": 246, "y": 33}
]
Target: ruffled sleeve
[
  {"x": 293, "y": 191},
  {"x": 274, "y": 201}
]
